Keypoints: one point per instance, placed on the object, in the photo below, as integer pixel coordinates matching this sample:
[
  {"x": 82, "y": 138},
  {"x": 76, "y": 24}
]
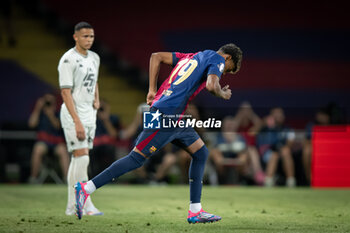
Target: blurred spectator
[
  {"x": 230, "y": 150},
  {"x": 249, "y": 124},
  {"x": 45, "y": 120},
  {"x": 336, "y": 113},
  {"x": 135, "y": 127},
  {"x": 107, "y": 128},
  {"x": 173, "y": 155},
  {"x": 6, "y": 11},
  {"x": 274, "y": 142},
  {"x": 322, "y": 117}
]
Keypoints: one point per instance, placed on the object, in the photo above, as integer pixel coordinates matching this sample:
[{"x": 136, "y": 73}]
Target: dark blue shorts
[{"x": 152, "y": 140}]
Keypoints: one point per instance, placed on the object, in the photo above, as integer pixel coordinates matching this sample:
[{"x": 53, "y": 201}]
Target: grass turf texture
[{"x": 129, "y": 209}]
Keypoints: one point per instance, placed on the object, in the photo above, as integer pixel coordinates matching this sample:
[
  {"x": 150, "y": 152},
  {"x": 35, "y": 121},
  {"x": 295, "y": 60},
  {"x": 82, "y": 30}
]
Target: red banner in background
[{"x": 331, "y": 156}]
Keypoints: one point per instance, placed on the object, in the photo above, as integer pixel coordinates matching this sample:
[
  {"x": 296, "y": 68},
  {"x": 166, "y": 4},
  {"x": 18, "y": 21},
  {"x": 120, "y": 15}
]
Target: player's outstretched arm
[
  {"x": 68, "y": 100},
  {"x": 214, "y": 87},
  {"x": 154, "y": 66}
]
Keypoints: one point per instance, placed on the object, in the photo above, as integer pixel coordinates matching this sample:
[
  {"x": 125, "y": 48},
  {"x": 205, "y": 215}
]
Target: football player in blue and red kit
[{"x": 192, "y": 72}]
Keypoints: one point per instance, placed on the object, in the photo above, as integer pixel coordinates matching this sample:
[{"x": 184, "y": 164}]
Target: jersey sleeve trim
[
  {"x": 66, "y": 69},
  {"x": 216, "y": 72},
  {"x": 65, "y": 86}
]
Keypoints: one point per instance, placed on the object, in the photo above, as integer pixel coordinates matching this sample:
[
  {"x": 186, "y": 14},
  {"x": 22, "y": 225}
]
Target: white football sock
[
  {"x": 90, "y": 187},
  {"x": 81, "y": 174},
  {"x": 71, "y": 183},
  {"x": 195, "y": 207},
  {"x": 81, "y": 165}
]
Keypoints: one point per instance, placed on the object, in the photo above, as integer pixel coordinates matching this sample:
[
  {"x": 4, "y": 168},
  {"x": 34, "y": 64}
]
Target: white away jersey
[{"x": 80, "y": 73}]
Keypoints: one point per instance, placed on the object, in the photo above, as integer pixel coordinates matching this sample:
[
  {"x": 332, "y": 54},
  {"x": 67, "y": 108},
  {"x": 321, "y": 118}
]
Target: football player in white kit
[{"x": 78, "y": 73}]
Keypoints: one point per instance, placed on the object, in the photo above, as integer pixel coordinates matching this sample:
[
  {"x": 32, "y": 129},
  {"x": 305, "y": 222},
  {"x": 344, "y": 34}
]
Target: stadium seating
[
  {"x": 22, "y": 89},
  {"x": 30, "y": 70},
  {"x": 289, "y": 54}
]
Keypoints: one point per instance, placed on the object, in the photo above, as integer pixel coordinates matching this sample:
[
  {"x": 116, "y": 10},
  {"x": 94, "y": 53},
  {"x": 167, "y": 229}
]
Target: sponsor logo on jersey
[{"x": 167, "y": 92}]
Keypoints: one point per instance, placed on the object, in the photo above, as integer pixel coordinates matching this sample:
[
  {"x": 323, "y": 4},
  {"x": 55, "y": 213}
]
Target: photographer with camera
[{"x": 44, "y": 119}]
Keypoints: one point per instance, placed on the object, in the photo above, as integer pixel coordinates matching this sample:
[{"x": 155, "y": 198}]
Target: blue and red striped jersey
[{"x": 187, "y": 79}]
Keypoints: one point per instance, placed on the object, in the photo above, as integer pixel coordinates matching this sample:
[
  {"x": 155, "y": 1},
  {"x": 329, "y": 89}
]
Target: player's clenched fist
[
  {"x": 226, "y": 92},
  {"x": 79, "y": 128},
  {"x": 150, "y": 97}
]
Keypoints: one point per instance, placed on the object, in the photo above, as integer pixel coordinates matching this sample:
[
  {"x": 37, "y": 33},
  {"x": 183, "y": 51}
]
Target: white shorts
[{"x": 72, "y": 141}]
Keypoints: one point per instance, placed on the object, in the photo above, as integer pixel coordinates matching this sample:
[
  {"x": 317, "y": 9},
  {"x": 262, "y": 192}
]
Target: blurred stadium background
[{"x": 296, "y": 56}]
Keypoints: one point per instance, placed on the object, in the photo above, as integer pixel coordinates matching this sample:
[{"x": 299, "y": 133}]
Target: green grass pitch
[{"x": 25, "y": 208}]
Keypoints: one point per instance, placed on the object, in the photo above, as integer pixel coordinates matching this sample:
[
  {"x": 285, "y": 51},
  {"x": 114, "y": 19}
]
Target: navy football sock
[
  {"x": 128, "y": 163},
  {"x": 196, "y": 174}
]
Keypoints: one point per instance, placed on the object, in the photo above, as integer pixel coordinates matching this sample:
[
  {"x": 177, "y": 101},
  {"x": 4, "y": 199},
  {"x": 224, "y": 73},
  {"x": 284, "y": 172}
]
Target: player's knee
[
  {"x": 81, "y": 152},
  {"x": 201, "y": 154},
  {"x": 138, "y": 158}
]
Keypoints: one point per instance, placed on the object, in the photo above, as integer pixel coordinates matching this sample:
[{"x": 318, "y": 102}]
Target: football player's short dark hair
[
  {"x": 82, "y": 25},
  {"x": 236, "y": 54}
]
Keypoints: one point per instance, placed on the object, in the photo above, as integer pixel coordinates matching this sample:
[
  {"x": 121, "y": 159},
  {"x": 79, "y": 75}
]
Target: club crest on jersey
[{"x": 152, "y": 149}]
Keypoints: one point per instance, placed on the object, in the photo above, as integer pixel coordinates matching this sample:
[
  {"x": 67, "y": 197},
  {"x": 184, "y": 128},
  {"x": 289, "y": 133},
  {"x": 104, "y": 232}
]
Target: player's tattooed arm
[
  {"x": 214, "y": 87},
  {"x": 68, "y": 100},
  {"x": 154, "y": 66}
]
